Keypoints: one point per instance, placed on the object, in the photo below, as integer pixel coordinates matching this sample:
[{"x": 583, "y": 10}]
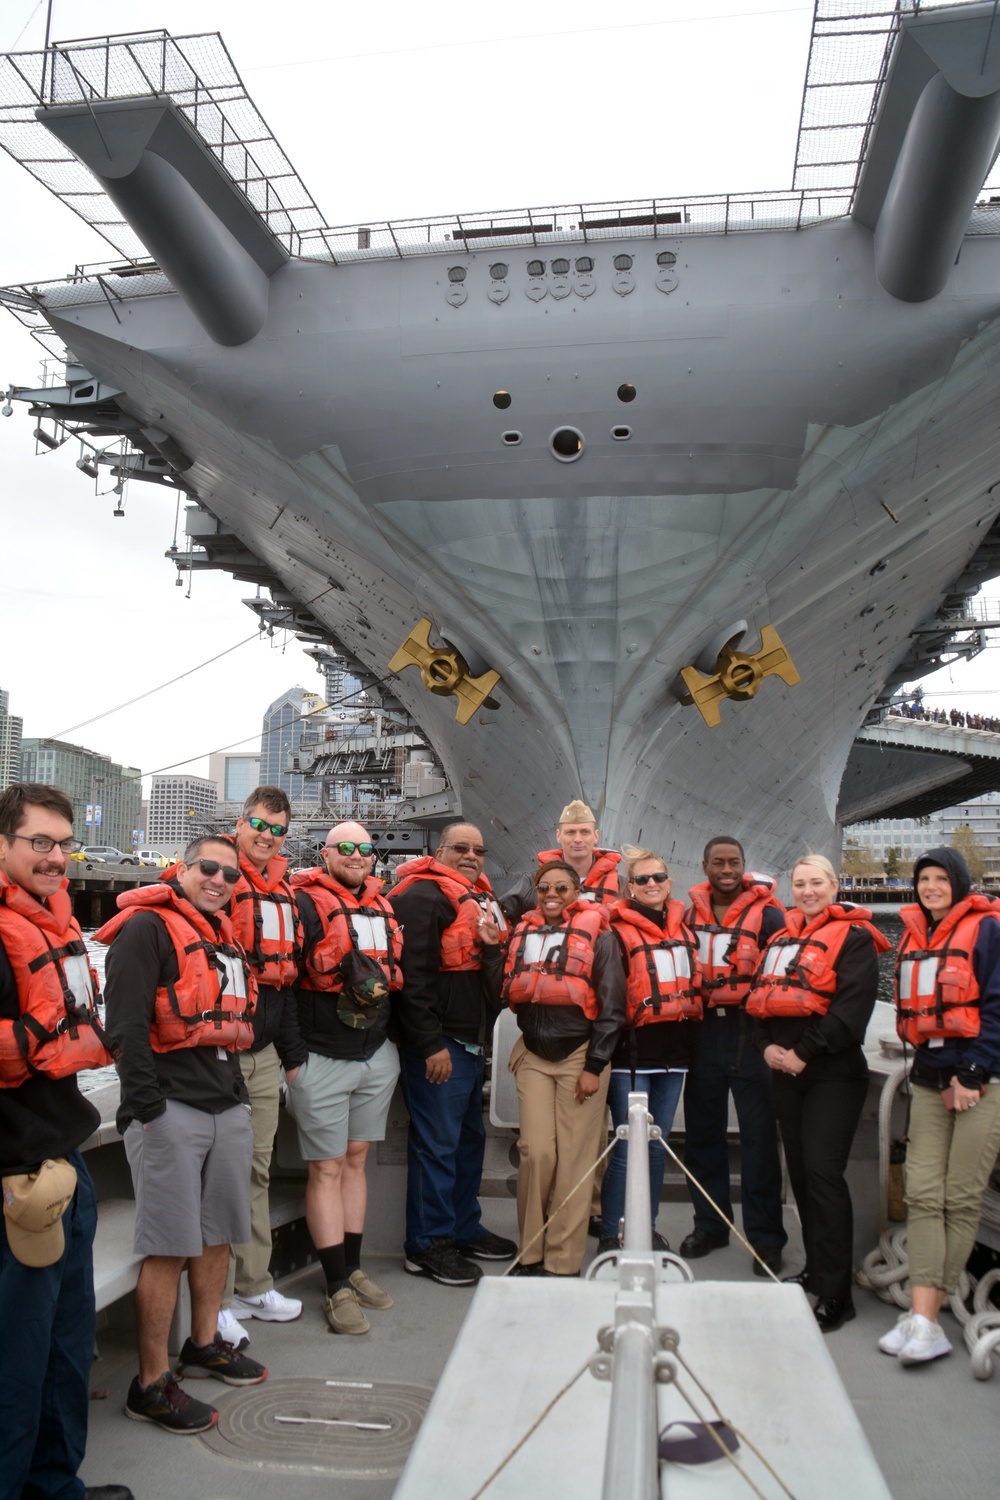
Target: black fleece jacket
[{"x": 436, "y": 1003}]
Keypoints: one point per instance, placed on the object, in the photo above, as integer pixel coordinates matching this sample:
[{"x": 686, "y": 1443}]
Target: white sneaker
[
  {"x": 893, "y": 1341},
  {"x": 270, "y": 1306},
  {"x": 926, "y": 1341},
  {"x": 228, "y": 1328}
]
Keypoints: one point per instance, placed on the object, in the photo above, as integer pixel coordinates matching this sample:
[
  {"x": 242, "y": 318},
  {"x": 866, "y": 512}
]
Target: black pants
[{"x": 818, "y": 1113}]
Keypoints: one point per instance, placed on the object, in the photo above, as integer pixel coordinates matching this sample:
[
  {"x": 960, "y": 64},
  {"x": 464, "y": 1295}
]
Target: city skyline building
[
  {"x": 295, "y": 714},
  {"x": 179, "y": 809},
  {"x": 106, "y": 797},
  {"x": 911, "y": 837},
  {"x": 235, "y": 776},
  {"x": 11, "y": 731}
]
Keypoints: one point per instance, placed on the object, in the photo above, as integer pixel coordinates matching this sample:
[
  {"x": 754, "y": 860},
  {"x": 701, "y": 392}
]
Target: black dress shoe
[
  {"x": 533, "y": 1268},
  {"x": 594, "y": 1227},
  {"x": 109, "y": 1492},
  {"x": 699, "y": 1242},
  {"x": 608, "y": 1242},
  {"x": 771, "y": 1256},
  {"x": 801, "y": 1278},
  {"x": 831, "y": 1312}
]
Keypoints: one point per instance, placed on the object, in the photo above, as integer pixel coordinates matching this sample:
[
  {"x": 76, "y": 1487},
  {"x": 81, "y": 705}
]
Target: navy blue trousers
[
  {"x": 663, "y": 1091},
  {"x": 445, "y": 1150},
  {"x": 47, "y": 1330},
  {"x": 724, "y": 1060}
]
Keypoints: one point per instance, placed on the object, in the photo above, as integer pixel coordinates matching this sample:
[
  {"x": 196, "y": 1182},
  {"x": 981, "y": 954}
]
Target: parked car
[
  {"x": 107, "y": 854},
  {"x": 154, "y": 857}
]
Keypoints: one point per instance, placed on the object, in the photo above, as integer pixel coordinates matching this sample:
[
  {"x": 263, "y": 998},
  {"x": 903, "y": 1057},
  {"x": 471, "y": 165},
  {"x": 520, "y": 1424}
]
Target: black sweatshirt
[
  {"x": 819, "y": 1039},
  {"x": 140, "y": 959}
]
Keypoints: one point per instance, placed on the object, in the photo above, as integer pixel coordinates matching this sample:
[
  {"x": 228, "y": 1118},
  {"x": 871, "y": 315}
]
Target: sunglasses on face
[
  {"x": 210, "y": 867},
  {"x": 479, "y": 850},
  {"x": 347, "y": 846},
  {"x": 259, "y": 825},
  {"x": 660, "y": 878},
  {"x": 557, "y": 890}
]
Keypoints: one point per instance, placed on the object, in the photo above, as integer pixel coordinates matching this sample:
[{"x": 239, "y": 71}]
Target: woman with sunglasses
[
  {"x": 812, "y": 998},
  {"x": 566, "y": 985},
  {"x": 662, "y": 1000}
]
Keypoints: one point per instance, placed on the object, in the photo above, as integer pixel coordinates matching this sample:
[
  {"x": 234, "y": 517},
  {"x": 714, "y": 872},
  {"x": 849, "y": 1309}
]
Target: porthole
[
  {"x": 666, "y": 258},
  {"x": 512, "y": 438},
  {"x": 501, "y": 400},
  {"x": 622, "y": 262},
  {"x": 566, "y": 444},
  {"x": 560, "y": 268},
  {"x": 457, "y": 273},
  {"x": 621, "y": 434},
  {"x": 626, "y": 392},
  {"x": 82, "y": 392},
  {"x": 498, "y": 270},
  {"x": 584, "y": 264},
  {"x": 536, "y": 268}
]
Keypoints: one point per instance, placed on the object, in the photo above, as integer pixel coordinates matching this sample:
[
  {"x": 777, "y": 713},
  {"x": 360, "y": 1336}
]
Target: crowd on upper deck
[{"x": 953, "y": 716}]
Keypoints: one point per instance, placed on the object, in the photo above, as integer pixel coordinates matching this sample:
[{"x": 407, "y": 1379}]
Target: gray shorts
[
  {"x": 333, "y": 1101},
  {"x": 191, "y": 1174}
]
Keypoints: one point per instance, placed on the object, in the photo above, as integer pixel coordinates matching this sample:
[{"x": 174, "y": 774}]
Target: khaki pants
[
  {"x": 560, "y": 1139},
  {"x": 249, "y": 1264},
  {"x": 949, "y": 1158}
]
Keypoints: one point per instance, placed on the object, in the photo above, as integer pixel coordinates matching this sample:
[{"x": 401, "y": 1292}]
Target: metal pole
[{"x": 638, "y": 1210}]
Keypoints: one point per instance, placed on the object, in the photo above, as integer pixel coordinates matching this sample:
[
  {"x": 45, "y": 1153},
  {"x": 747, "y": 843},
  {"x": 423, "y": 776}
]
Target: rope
[
  {"x": 691, "y": 1178},
  {"x": 533, "y": 1428},
  {"x": 557, "y": 1211},
  {"x": 676, "y": 1354}
]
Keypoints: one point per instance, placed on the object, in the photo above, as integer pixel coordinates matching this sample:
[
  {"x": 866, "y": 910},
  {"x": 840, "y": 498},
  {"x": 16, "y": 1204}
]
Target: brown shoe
[
  {"x": 368, "y": 1292},
  {"x": 343, "y": 1313}
]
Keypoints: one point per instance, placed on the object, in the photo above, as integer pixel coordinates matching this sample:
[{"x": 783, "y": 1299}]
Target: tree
[
  {"x": 892, "y": 864},
  {"x": 970, "y": 846},
  {"x": 857, "y": 862}
]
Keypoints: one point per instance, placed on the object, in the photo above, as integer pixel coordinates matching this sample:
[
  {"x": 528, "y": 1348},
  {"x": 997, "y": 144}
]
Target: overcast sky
[{"x": 394, "y": 111}]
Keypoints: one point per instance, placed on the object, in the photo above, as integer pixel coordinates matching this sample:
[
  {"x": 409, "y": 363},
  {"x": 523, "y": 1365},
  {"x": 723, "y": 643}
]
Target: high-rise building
[
  {"x": 290, "y": 717},
  {"x": 912, "y": 837},
  {"x": 234, "y": 775},
  {"x": 10, "y": 743},
  {"x": 180, "y": 807},
  {"x": 106, "y": 797}
]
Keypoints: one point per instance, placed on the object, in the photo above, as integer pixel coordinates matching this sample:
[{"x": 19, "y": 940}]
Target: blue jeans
[
  {"x": 724, "y": 1059},
  {"x": 445, "y": 1150},
  {"x": 47, "y": 1330},
  {"x": 664, "y": 1090}
]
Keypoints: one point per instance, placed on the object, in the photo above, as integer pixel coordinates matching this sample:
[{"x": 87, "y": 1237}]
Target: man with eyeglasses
[
  {"x": 340, "y": 1096},
  {"x": 265, "y": 922},
  {"x": 733, "y": 913},
  {"x": 577, "y": 842},
  {"x": 454, "y": 935},
  {"x": 179, "y": 1004},
  {"x": 49, "y": 1214}
]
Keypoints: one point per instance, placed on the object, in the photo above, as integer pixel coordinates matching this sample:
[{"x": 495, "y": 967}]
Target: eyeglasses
[
  {"x": 558, "y": 890},
  {"x": 479, "y": 850},
  {"x": 260, "y": 826},
  {"x": 347, "y": 846},
  {"x": 210, "y": 867},
  {"x": 42, "y": 845},
  {"x": 660, "y": 878}
]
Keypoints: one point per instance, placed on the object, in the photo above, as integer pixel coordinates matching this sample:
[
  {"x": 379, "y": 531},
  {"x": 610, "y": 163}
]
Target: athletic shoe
[
  {"x": 221, "y": 1360},
  {"x": 893, "y": 1341},
  {"x": 234, "y": 1333},
  {"x": 270, "y": 1306},
  {"x": 166, "y": 1405},
  {"x": 343, "y": 1313},
  {"x": 442, "y": 1262},
  {"x": 926, "y": 1341},
  {"x": 489, "y": 1246},
  {"x": 368, "y": 1292},
  {"x": 608, "y": 1242}
]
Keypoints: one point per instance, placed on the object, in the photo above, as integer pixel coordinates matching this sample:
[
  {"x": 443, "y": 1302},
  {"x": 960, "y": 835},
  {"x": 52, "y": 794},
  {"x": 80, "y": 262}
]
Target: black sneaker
[
  {"x": 165, "y": 1404},
  {"x": 221, "y": 1360},
  {"x": 660, "y": 1242},
  {"x": 442, "y": 1262},
  {"x": 608, "y": 1242},
  {"x": 489, "y": 1246}
]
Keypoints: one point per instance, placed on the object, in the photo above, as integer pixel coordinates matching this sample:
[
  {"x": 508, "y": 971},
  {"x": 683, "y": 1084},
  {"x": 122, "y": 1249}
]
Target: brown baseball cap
[{"x": 33, "y": 1208}]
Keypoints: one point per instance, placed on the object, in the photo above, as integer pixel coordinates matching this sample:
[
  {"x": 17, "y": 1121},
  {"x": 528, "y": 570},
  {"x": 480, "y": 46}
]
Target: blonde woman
[{"x": 812, "y": 999}]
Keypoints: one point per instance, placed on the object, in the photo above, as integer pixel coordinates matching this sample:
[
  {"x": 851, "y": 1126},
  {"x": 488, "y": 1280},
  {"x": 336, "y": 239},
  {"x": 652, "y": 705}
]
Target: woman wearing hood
[
  {"x": 948, "y": 1009},
  {"x": 813, "y": 996}
]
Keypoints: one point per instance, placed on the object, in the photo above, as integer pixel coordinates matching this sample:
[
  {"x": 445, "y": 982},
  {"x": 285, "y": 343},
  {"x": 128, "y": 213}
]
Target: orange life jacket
[
  {"x": 600, "y": 882},
  {"x": 936, "y": 990},
  {"x": 663, "y": 969},
  {"x": 555, "y": 966},
  {"x": 211, "y": 1002},
  {"x": 461, "y": 947},
  {"x": 729, "y": 951},
  {"x": 360, "y": 919},
  {"x": 265, "y": 922},
  {"x": 797, "y": 974},
  {"x": 58, "y": 1031}
]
